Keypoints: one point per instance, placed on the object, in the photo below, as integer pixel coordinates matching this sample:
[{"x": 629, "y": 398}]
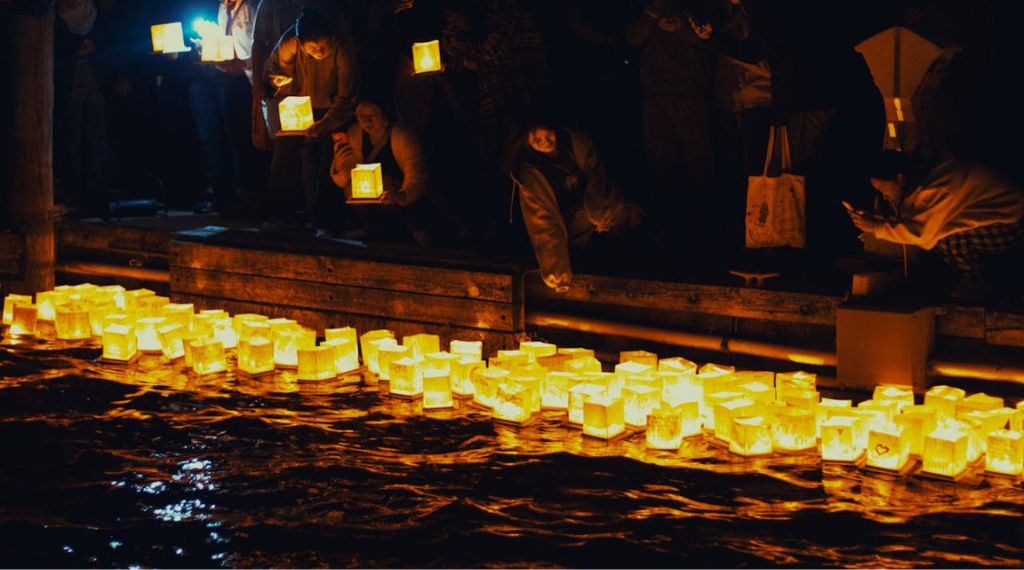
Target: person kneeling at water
[
  {"x": 565, "y": 196},
  {"x": 964, "y": 210}
]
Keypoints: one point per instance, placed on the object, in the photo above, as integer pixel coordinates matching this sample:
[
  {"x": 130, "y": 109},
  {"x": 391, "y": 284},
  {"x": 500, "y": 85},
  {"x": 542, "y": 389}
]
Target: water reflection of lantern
[
  {"x": 367, "y": 182},
  {"x": 389, "y": 353},
  {"x": 462, "y": 375},
  {"x": 168, "y": 38},
  {"x": 171, "y": 341},
  {"x": 23, "y": 319},
  {"x": 369, "y": 351},
  {"x": 437, "y": 390},
  {"x": 46, "y": 301},
  {"x": 471, "y": 348},
  {"x": 296, "y": 113},
  {"x": 794, "y": 429},
  {"x": 668, "y": 424},
  {"x": 603, "y": 416},
  {"x": 346, "y": 353},
  {"x": 945, "y": 452},
  {"x": 119, "y": 343},
  {"x": 287, "y": 344},
  {"x": 638, "y": 402},
  {"x": 888, "y": 447},
  {"x": 255, "y": 356},
  {"x": 578, "y": 395},
  {"x": 751, "y": 436},
  {"x": 485, "y": 384},
  {"x": 917, "y": 421},
  {"x": 841, "y": 439},
  {"x": 728, "y": 411},
  {"x": 422, "y": 344},
  {"x": 640, "y": 357},
  {"x": 554, "y": 391},
  {"x": 317, "y": 362},
  {"x": 406, "y": 375},
  {"x": 147, "y": 335},
  {"x": 439, "y": 362},
  {"x": 72, "y": 322},
  {"x": 1005, "y": 453},
  {"x": 207, "y": 356},
  {"x": 537, "y": 349},
  {"x": 426, "y": 56}
]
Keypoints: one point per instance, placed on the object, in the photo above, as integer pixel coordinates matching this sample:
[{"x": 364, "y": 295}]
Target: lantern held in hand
[
  {"x": 367, "y": 183},
  {"x": 426, "y": 57}
]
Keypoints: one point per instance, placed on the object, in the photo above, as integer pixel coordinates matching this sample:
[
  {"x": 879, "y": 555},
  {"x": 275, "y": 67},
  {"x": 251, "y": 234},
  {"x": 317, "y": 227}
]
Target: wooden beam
[
  {"x": 1004, "y": 329},
  {"x": 12, "y": 255}
]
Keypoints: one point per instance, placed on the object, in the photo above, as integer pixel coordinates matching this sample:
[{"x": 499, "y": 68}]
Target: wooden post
[{"x": 29, "y": 198}]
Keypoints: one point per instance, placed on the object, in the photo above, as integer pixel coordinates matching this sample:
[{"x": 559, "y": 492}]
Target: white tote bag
[{"x": 776, "y": 204}]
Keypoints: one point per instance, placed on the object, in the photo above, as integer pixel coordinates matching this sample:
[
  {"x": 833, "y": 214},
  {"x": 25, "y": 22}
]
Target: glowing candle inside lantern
[
  {"x": 1005, "y": 453},
  {"x": 172, "y": 340},
  {"x": 840, "y": 438},
  {"x": 147, "y": 334},
  {"x": 471, "y": 348},
  {"x": 426, "y": 56},
  {"x": 208, "y": 356},
  {"x": 406, "y": 375},
  {"x": 485, "y": 384},
  {"x": 794, "y": 429},
  {"x": 888, "y": 448},
  {"x": 168, "y": 38},
  {"x": 23, "y": 319},
  {"x": 751, "y": 436},
  {"x": 346, "y": 353},
  {"x": 945, "y": 452},
  {"x": 296, "y": 113},
  {"x": 367, "y": 182},
  {"x": 72, "y": 322},
  {"x": 462, "y": 375},
  {"x": 603, "y": 416},
  {"x": 255, "y": 355},
  {"x": 317, "y": 362},
  {"x": 119, "y": 343}
]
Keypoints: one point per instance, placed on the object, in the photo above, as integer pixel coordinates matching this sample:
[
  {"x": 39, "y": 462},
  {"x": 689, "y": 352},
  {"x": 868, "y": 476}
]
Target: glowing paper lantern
[
  {"x": 72, "y": 322},
  {"x": 799, "y": 380},
  {"x": 287, "y": 344},
  {"x": 807, "y": 399},
  {"x": 99, "y": 310},
  {"x": 406, "y": 375},
  {"x": 147, "y": 334},
  {"x": 887, "y": 408},
  {"x": 677, "y": 364},
  {"x": 462, "y": 375},
  {"x": 370, "y": 352},
  {"x": 439, "y": 362},
  {"x": 755, "y": 390},
  {"x": 422, "y": 344},
  {"x": 1005, "y": 454},
  {"x": 531, "y": 385},
  {"x": 578, "y": 395},
  {"x": 248, "y": 330},
  {"x": 943, "y": 400},
  {"x": 348, "y": 333},
  {"x": 917, "y": 421},
  {"x": 668, "y": 425},
  {"x": 680, "y": 386},
  {"x": 640, "y": 357},
  {"x": 575, "y": 352},
  {"x": 727, "y": 412},
  {"x": 1017, "y": 421},
  {"x": 241, "y": 318},
  {"x": 512, "y": 402},
  {"x": 346, "y": 349},
  {"x": 217, "y": 48},
  {"x": 554, "y": 390},
  {"x": 508, "y": 359},
  {"x": 841, "y": 438},
  {"x": 388, "y": 353},
  {"x": 710, "y": 407},
  {"x": 255, "y": 356},
  {"x": 603, "y": 417},
  {"x": 119, "y": 343},
  {"x": 437, "y": 390},
  {"x": 172, "y": 341},
  {"x": 296, "y": 113},
  {"x": 426, "y": 56},
  {"x": 317, "y": 362},
  {"x": 903, "y": 396},
  {"x": 367, "y": 183},
  {"x": 180, "y": 313},
  {"x": 471, "y": 348},
  {"x": 207, "y": 356},
  {"x": 794, "y": 429},
  {"x": 583, "y": 364},
  {"x": 23, "y": 319},
  {"x": 46, "y": 301},
  {"x": 168, "y": 38},
  {"x": 945, "y": 452},
  {"x": 638, "y": 403},
  {"x": 554, "y": 362},
  {"x": 132, "y": 297},
  {"x": 980, "y": 401},
  {"x": 888, "y": 448},
  {"x": 751, "y": 436},
  {"x": 152, "y": 306},
  {"x": 113, "y": 293},
  {"x": 485, "y": 384}
]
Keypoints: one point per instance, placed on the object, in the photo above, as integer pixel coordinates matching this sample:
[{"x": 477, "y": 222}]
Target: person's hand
[
  {"x": 865, "y": 222},
  {"x": 670, "y": 25},
  {"x": 402, "y": 5},
  {"x": 703, "y": 31}
]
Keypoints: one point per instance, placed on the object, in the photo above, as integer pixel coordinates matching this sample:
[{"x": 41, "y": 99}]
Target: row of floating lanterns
[{"x": 751, "y": 413}]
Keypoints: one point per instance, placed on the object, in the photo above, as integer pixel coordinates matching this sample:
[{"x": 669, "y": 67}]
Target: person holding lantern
[
  {"x": 565, "y": 196},
  {"x": 314, "y": 58},
  {"x": 964, "y": 210},
  {"x": 374, "y": 138}
]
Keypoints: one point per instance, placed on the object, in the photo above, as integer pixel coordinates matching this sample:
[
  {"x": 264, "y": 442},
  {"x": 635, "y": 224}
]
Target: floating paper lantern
[
  {"x": 485, "y": 384},
  {"x": 241, "y": 318},
  {"x": 715, "y": 378},
  {"x": 172, "y": 341},
  {"x": 794, "y": 429},
  {"x": 583, "y": 364},
  {"x": 902, "y": 395},
  {"x": 654, "y": 381},
  {"x": 1005, "y": 453},
  {"x": 248, "y": 330},
  {"x": 317, "y": 362},
  {"x": 668, "y": 425},
  {"x": 72, "y": 322},
  {"x": 727, "y": 412},
  {"x": 710, "y": 406},
  {"x": 677, "y": 364},
  {"x": 751, "y": 436},
  {"x": 439, "y": 362},
  {"x": 367, "y": 183},
  {"x": 422, "y": 344},
  {"x": 147, "y": 334},
  {"x": 207, "y": 356},
  {"x": 980, "y": 402},
  {"x": 388, "y": 353},
  {"x": 945, "y": 452},
  {"x": 437, "y": 390},
  {"x": 168, "y": 38},
  {"x": 537, "y": 349},
  {"x": 472, "y": 348},
  {"x": 888, "y": 448},
  {"x": 943, "y": 400},
  {"x": 841, "y": 439},
  {"x": 296, "y": 114},
  {"x": 113, "y": 293},
  {"x": 279, "y": 324},
  {"x": 799, "y": 381},
  {"x": 405, "y": 373},
  {"x": 119, "y": 343},
  {"x": 512, "y": 401},
  {"x": 370, "y": 352},
  {"x": 603, "y": 416},
  {"x": 132, "y": 298},
  {"x": 508, "y": 359},
  {"x": 578, "y": 395},
  {"x": 224, "y": 331},
  {"x": 152, "y": 306},
  {"x": 46, "y": 301},
  {"x": 638, "y": 402},
  {"x": 575, "y": 352},
  {"x": 347, "y": 333},
  {"x": 1017, "y": 421},
  {"x": 287, "y": 343},
  {"x": 462, "y": 375},
  {"x": 23, "y": 319},
  {"x": 629, "y": 369},
  {"x": 426, "y": 56},
  {"x": 807, "y": 399},
  {"x": 217, "y": 49},
  {"x": 99, "y": 310},
  {"x": 917, "y": 421},
  {"x": 554, "y": 362},
  {"x": 888, "y": 408},
  {"x": 680, "y": 386},
  {"x": 346, "y": 357},
  {"x": 180, "y": 313},
  {"x": 554, "y": 390},
  {"x": 255, "y": 356},
  {"x": 755, "y": 390},
  {"x": 640, "y": 357}
]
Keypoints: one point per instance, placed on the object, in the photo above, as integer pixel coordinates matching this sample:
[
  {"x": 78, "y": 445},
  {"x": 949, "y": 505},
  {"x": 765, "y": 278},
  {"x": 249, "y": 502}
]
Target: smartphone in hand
[{"x": 848, "y": 206}]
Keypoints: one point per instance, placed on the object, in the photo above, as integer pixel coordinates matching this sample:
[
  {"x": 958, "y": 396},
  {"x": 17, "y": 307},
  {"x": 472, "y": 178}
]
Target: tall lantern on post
[{"x": 426, "y": 57}]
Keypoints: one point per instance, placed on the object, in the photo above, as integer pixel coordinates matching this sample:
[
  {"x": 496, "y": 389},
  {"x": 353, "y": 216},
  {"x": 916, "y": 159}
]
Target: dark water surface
[{"x": 147, "y": 465}]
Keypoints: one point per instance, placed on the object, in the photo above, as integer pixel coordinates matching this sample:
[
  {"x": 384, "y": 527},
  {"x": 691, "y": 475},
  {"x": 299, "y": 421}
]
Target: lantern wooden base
[
  {"x": 366, "y": 201},
  {"x": 860, "y": 461},
  {"x": 975, "y": 468},
  {"x": 406, "y": 397},
  {"x": 813, "y": 450},
  {"x": 106, "y": 360},
  {"x": 1005, "y": 477},
  {"x": 153, "y": 352},
  {"x": 626, "y": 434},
  {"x": 909, "y": 467},
  {"x": 249, "y": 375}
]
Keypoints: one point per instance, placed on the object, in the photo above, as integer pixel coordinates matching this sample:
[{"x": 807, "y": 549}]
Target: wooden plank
[
  {"x": 1004, "y": 329},
  {"x": 345, "y": 271},
  {"x": 319, "y": 320},
  {"x": 964, "y": 322},
  {"x": 729, "y": 301},
  {"x": 12, "y": 255},
  {"x": 107, "y": 236},
  {"x": 340, "y": 298}
]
